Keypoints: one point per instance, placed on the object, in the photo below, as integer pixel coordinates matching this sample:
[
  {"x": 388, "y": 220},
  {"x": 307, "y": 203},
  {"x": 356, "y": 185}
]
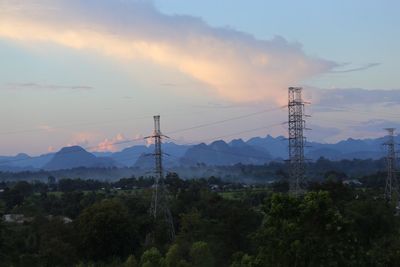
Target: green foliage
[
  {"x": 332, "y": 225},
  {"x": 200, "y": 255},
  {"x": 243, "y": 260},
  {"x": 131, "y": 262},
  {"x": 2, "y": 207},
  {"x": 174, "y": 256},
  {"x": 105, "y": 230},
  {"x": 293, "y": 227},
  {"x": 152, "y": 258}
]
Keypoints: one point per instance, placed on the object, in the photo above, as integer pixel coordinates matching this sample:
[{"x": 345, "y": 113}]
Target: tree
[
  {"x": 176, "y": 256},
  {"x": 25, "y": 188},
  {"x": 105, "y": 231},
  {"x": 2, "y": 207},
  {"x": 308, "y": 231},
  {"x": 243, "y": 260},
  {"x": 151, "y": 258},
  {"x": 201, "y": 255},
  {"x": 55, "y": 252},
  {"x": 173, "y": 256},
  {"x": 131, "y": 262}
]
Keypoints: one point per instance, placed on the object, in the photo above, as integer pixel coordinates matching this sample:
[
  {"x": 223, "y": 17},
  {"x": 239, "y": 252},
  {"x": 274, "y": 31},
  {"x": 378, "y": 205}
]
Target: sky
[{"x": 94, "y": 72}]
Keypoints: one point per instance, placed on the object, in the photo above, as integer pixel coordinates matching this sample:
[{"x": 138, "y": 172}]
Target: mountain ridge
[{"x": 256, "y": 150}]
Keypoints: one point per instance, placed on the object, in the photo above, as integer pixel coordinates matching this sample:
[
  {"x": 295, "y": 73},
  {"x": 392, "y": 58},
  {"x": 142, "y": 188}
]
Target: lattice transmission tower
[
  {"x": 159, "y": 208},
  {"x": 392, "y": 184},
  {"x": 296, "y": 141}
]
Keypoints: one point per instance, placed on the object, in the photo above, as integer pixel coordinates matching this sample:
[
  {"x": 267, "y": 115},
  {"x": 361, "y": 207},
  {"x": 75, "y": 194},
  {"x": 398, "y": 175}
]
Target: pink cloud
[
  {"x": 110, "y": 144},
  {"x": 231, "y": 64},
  {"x": 82, "y": 139}
]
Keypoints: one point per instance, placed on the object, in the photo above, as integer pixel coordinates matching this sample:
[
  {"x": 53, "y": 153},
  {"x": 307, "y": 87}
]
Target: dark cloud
[
  {"x": 365, "y": 67},
  {"x": 376, "y": 126},
  {"x": 37, "y": 86},
  {"x": 337, "y": 99}
]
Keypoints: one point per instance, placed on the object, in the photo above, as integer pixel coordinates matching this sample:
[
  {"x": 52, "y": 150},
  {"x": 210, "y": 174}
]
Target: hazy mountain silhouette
[
  {"x": 276, "y": 146},
  {"x": 23, "y": 161},
  {"x": 257, "y": 150},
  {"x": 128, "y": 156},
  {"x": 221, "y": 153},
  {"x": 76, "y": 156}
]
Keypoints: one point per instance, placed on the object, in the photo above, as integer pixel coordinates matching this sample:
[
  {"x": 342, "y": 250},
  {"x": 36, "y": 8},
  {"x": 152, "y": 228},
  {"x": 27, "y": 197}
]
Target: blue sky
[{"x": 94, "y": 72}]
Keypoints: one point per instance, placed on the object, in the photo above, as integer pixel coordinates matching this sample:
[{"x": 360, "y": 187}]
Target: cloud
[
  {"x": 110, "y": 144},
  {"x": 335, "y": 99},
  {"x": 234, "y": 65},
  {"x": 81, "y": 139},
  {"x": 377, "y": 126},
  {"x": 365, "y": 67},
  {"x": 37, "y": 86}
]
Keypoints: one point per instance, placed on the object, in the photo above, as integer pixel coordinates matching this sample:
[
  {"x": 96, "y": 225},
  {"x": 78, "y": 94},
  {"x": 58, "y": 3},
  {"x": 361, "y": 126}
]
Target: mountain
[
  {"x": 128, "y": 156},
  {"x": 146, "y": 161},
  {"x": 221, "y": 153},
  {"x": 23, "y": 161},
  {"x": 76, "y": 156},
  {"x": 135, "y": 155},
  {"x": 257, "y": 150},
  {"x": 348, "y": 149},
  {"x": 277, "y": 147},
  {"x": 172, "y": 155},
  {"x": 345, "y": 149}
]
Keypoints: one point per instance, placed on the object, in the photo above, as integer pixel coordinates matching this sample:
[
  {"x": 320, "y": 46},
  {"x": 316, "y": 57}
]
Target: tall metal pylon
[
  {"x": 392, "y": 185},
  {"x": 159, "y": 208},
  {"x": 296, "y": 141}
]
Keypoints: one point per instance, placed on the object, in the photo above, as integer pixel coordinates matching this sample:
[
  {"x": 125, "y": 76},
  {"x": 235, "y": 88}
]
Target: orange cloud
[
  {"x": 81, "y": 139},
  {"x": 109, "y": 144},
  {"x": 235, "y": 65}
]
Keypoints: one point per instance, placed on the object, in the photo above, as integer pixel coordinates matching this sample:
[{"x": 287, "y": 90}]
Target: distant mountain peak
[
  {"x": 237, "y": 142},
  {"x": 75, "y": 156},
  {"x": 71, "y": 149},
  {"x": 22, "y": 156}
]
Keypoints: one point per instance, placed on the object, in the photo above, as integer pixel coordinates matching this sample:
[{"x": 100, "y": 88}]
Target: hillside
[{"x": 76, "y": 156}]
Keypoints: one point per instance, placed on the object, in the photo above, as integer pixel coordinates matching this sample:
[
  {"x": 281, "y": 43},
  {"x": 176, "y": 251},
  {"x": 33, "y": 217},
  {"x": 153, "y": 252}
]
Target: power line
[
  {"x": 172, "y": 132},
  {"x": 228, "y": 135},
  {"x": 72, "y": 124},
  {"x": 216, "y": 138},
  {"x": 231, "y": 134},
  {"x": 225, "y": 120},
  {"x": 107, "y": 122}
]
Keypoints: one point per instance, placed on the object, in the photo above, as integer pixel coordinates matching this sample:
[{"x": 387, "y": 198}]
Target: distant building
[
  {"x": 16, "y": 218},
  {"x": 214, "y": 187},
  {"x": 63, "y": 218},
  {"x": 352, "y": 182},
  {"x": 21, "y": 218}
]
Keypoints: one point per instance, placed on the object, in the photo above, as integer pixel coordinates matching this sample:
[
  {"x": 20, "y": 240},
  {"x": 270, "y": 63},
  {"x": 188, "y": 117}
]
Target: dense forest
[{"x": 73, "y": 222}]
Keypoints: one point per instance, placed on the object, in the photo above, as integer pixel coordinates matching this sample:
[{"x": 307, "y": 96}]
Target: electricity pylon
[
  {"x": 296, "y": 141},
  {"x": 159, "y": 208},
  {"x": 392, "y": 185}
]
